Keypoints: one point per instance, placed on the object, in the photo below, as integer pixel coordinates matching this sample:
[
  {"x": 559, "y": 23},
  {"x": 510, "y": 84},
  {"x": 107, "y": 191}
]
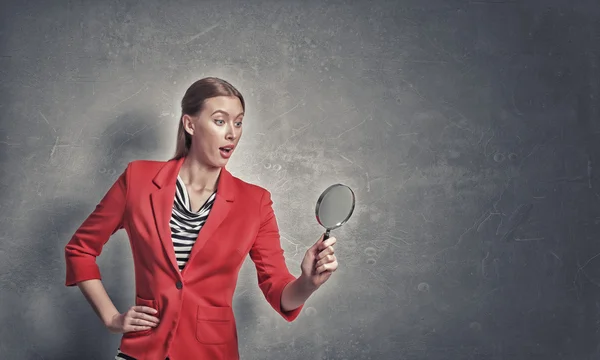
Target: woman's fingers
[
  {"x": 138, "y": 318},
  {"x": 328, "y": 251},
  {"x": 142, "y": 322},
  {"x": 144, "y": 309},
  {"x": 329, "y": 267},
  {"x": 140, "y": 328},
  {"x": 142, "y": 312},
  {"x": 327, "y": 259},
  {"x": 329, "y": 242}
]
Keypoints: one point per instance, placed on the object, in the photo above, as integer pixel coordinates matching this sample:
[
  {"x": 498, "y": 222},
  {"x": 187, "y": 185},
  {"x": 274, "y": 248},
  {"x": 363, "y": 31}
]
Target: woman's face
[{"x": 218, "y": 125}]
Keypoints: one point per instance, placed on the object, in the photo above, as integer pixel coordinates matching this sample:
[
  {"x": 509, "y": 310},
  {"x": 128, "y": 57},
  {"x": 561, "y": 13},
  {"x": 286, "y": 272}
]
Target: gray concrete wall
[{"x": 468, "y": 130}]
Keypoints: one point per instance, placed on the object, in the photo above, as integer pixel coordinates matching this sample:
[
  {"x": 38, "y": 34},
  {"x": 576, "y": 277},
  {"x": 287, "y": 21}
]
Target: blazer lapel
[
  {"x": 219, "y": 211},
  {"x": 162, "y": 205}
]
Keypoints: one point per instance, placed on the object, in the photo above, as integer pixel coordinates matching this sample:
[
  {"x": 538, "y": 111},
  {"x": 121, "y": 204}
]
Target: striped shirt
[
  {"x": 185, "y": 226},
  {"x": 185, "y": 223}
]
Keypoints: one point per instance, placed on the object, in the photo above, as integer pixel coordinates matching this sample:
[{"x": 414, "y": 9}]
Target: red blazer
[{"x": 194, "y": 305}]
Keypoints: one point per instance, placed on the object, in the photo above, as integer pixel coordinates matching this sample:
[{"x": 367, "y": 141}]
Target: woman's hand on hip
[{"x": 137, "y": 318}]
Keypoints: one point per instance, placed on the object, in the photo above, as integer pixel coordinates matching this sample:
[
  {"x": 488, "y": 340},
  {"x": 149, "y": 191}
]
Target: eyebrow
[{"x": 226, "y": 113}]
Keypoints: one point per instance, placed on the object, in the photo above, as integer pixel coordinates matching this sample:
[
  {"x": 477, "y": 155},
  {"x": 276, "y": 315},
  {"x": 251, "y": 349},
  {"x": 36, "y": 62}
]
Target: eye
[
  {"x": 222, "y": 121},
  {"x": 239, "y": 123}
]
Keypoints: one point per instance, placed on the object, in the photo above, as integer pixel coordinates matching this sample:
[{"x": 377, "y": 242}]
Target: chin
[{"x": 221, "y": 163}]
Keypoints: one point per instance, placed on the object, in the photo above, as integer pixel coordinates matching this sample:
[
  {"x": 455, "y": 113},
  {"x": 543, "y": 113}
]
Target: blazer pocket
[
  {"x": 215, "y": 325},
  {"x": 144, "y": 302}
]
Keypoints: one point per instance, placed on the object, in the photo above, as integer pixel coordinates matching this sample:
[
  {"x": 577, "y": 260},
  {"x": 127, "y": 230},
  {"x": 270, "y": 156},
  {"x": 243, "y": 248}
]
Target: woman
[{"x": 187, "y": 261}]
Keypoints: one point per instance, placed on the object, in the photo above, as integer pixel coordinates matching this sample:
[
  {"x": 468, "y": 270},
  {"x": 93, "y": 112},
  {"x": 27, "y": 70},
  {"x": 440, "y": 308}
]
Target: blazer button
[{"x": 179, "y": 285}]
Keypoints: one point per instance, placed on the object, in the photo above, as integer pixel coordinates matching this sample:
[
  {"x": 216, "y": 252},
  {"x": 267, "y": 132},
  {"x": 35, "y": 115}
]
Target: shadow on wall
[{"x": 65, "y": 326}]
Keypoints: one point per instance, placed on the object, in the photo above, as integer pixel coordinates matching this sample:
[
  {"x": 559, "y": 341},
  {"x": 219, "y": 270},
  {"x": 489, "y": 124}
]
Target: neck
[{"x": 198, "y": 175}]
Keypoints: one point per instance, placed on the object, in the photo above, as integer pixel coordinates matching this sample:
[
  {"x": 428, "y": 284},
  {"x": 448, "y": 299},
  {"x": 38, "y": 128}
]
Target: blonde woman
[{"x": 191, "y": 224}]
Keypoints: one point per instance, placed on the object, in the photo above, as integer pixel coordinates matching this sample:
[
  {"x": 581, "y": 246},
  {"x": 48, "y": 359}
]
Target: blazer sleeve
[
  {"x": 87, "y": 242},
  {"x": 267, "y": 255}
]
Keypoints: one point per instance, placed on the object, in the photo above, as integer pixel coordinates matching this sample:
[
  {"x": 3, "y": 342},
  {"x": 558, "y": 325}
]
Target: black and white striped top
[
  {"x": 185, "y": 226},
  {"x": 186, "y": 223}
]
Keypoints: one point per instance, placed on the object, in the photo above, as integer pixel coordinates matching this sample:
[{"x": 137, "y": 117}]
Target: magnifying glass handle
[{"x": 326, "y": 236}]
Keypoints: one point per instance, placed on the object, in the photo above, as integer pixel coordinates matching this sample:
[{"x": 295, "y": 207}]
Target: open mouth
[{"x": 226, "y": 151}]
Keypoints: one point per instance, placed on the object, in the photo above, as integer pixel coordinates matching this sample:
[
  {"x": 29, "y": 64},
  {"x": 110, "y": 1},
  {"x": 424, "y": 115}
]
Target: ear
[{"x": 188, "y": 124}]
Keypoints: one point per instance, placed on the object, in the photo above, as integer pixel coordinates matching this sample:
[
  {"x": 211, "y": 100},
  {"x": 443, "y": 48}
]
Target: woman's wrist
[
  {"x": 108, "y": 321},
  {"x": 306, "y": 284}
]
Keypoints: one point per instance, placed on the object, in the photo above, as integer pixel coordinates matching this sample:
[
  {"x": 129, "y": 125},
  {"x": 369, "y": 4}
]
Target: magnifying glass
[{"x": 334, "y": 207}]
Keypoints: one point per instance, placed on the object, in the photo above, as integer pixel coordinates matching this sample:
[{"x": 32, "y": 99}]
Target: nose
[
  {"x": 230, "y": 134},
  {"x": 233, "y": 132}
]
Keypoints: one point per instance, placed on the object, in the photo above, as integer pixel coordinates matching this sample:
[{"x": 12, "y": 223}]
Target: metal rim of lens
[{"x": 322, "y": 196}]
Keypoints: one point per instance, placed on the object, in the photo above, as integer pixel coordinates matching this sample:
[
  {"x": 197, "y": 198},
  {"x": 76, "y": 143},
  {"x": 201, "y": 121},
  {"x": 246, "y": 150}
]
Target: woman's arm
[
  {"x": 318, "y": 265},
  {"x": 96, "y": 295},
  {"x": 87, "y": 243},
  {"x": 82, "y": 269},
  {"x": 89, "y": 239},
  {"x": 137, "y": 318},
  {"x": 296, "y": 293},
  {"x": 274, "y": 277}
]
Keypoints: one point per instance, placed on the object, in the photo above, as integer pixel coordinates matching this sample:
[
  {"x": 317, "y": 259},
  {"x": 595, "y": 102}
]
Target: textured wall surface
[{"x": 468, "y": 130}]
